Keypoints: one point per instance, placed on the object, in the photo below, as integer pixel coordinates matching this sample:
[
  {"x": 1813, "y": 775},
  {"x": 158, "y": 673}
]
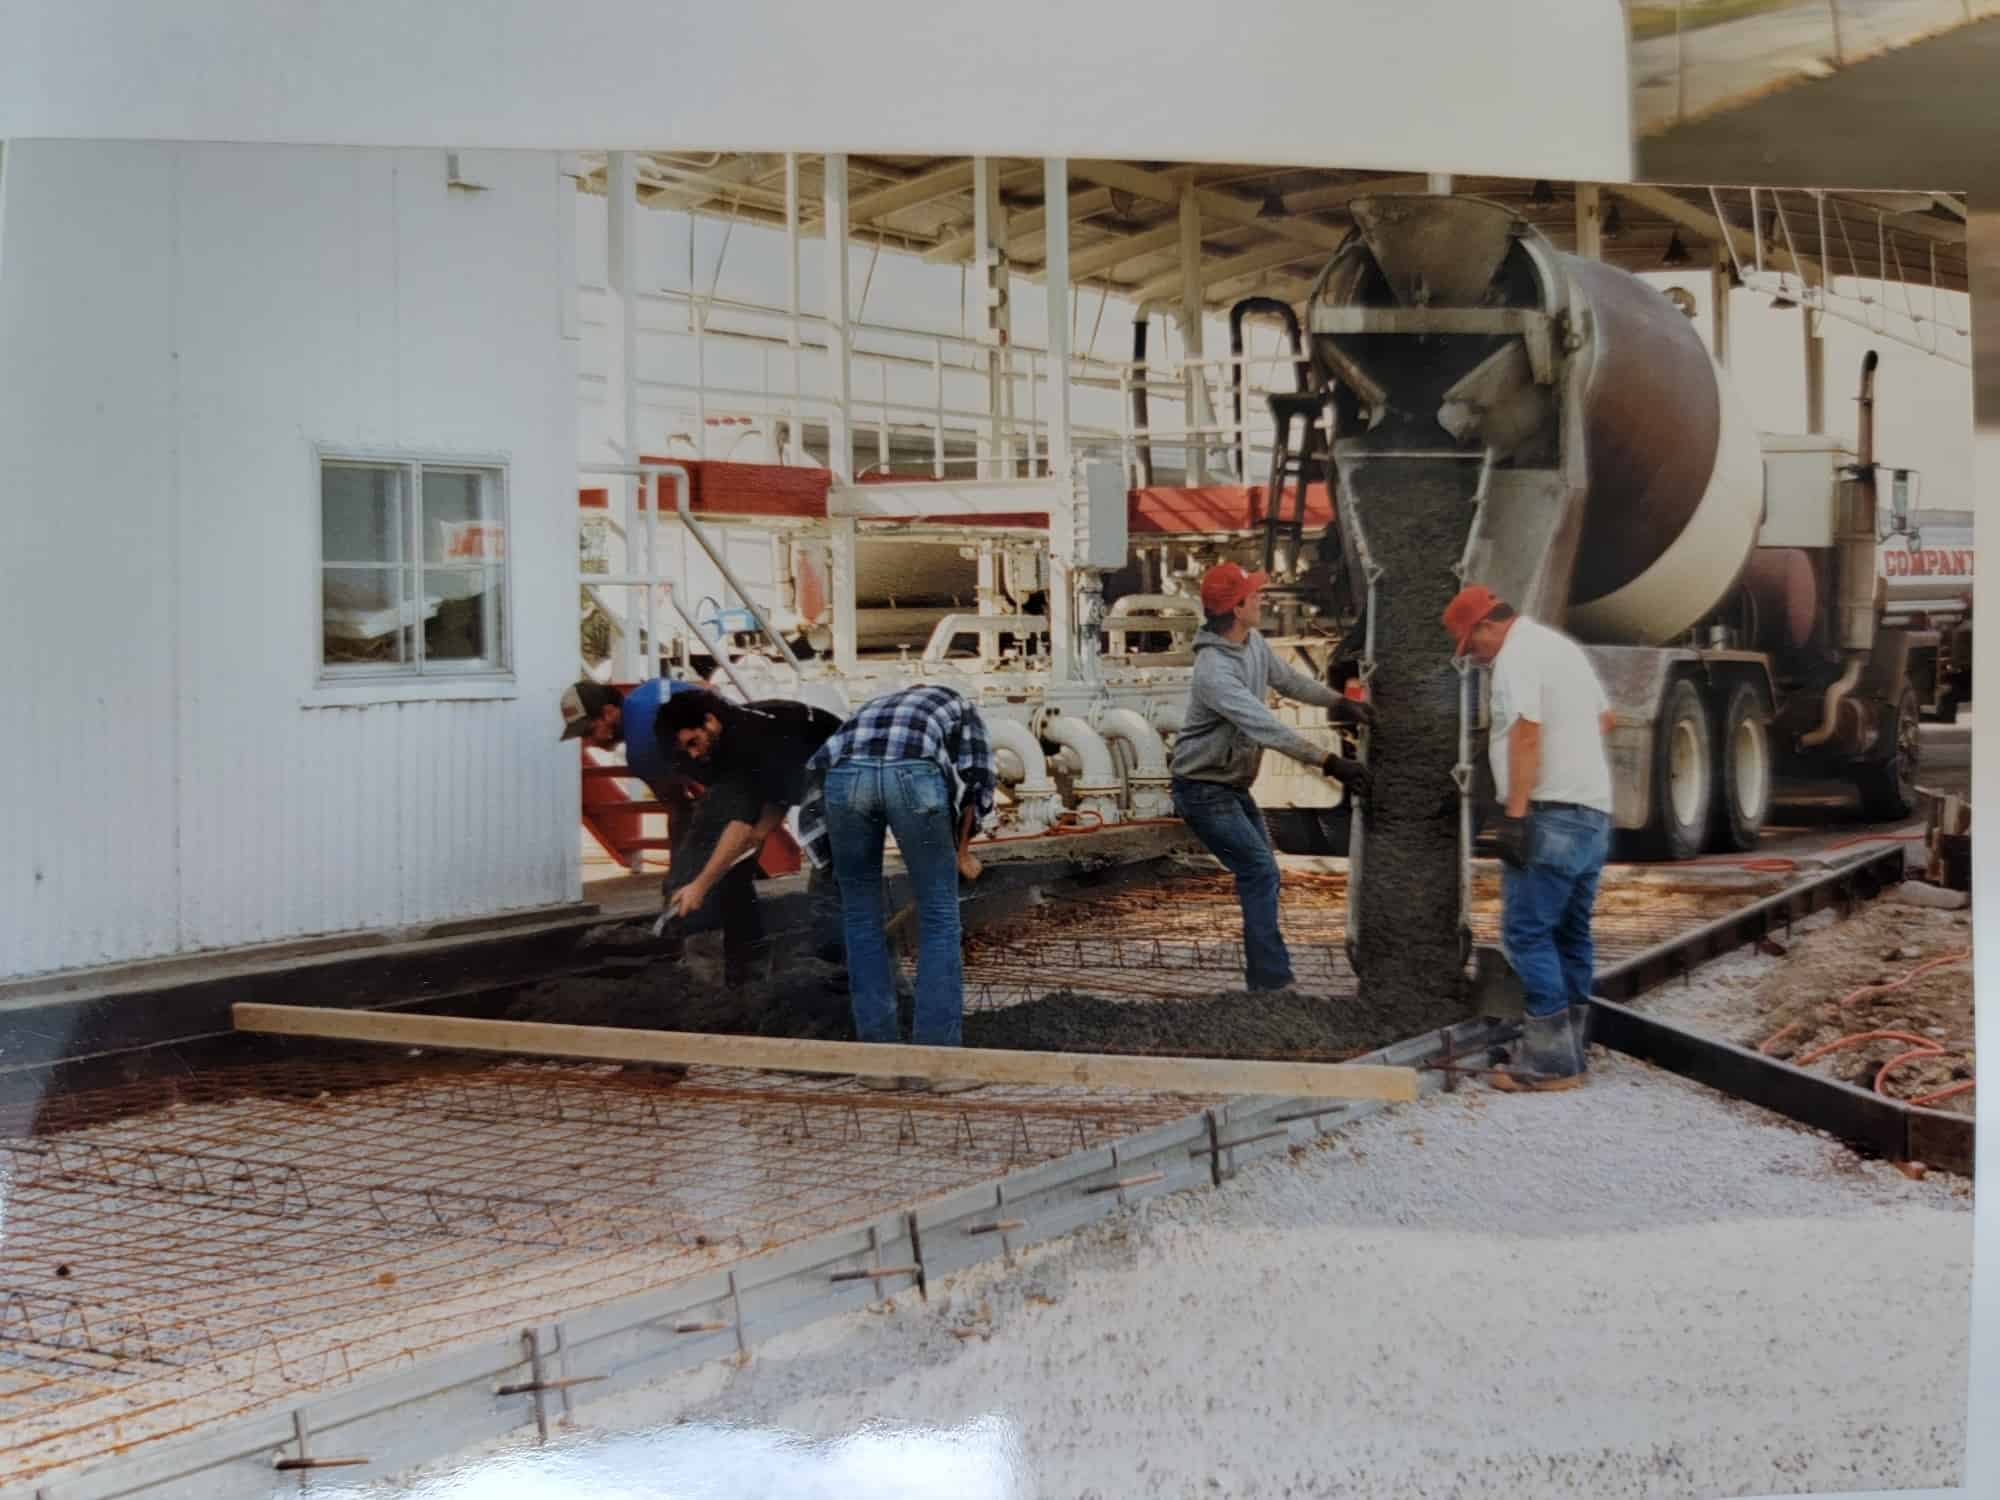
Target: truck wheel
[
  {"x": 1683, "y": 775},
  {"x": 1743, "y": 758},
  {"x": 1889, "y": 787}
]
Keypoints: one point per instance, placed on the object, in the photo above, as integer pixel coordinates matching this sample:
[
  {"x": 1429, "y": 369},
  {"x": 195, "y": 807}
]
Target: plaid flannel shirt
[{"x": 919, "y": 723}]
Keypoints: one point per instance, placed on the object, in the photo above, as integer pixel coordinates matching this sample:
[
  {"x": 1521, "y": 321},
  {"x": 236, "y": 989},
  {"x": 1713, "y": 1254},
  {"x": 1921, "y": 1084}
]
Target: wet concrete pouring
[
  {"x": 1415, "y": 517},
  {"x": 1152, "y": 968}
]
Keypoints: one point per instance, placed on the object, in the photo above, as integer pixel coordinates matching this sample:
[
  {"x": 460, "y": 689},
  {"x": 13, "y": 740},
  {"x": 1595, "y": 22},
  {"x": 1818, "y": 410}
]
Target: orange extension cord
[{"x": 1921, "y": 1047}]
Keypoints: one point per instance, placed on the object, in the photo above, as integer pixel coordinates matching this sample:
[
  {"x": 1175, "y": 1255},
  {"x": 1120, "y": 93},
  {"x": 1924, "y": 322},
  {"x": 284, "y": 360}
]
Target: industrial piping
[
  {"x": 1149, "y": 780},
  {"x": 1174, "y": 607},
  {"x": 1098, "y": 782},
  {"x": 1036, "y": 799},
  {"x": 952, "y": 626}
]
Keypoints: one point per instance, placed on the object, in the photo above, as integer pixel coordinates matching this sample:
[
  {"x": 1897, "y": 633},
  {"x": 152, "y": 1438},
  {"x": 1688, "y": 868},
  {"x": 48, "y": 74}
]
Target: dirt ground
[{"x": 1892, "y": 969}]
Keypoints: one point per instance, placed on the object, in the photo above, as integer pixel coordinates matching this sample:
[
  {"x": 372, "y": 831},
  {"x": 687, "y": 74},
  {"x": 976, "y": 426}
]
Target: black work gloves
[
  {"x": 1351, "y": 711},
  {"x": 1511, "y": 834},
  {"x": 1349, "y": 773}
]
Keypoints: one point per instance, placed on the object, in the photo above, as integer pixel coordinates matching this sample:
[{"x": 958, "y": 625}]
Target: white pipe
[
  {"x": 952, "y": 626},
  {"x": 1149, "y": 752},
  {"x": 1175, "y": 609},
  {"x": 1150, "y": 783},
  {"x": 1072, "y": 734},
  {"x": 1035, "y": 795},
  {"x": 1167, "y": 717}
]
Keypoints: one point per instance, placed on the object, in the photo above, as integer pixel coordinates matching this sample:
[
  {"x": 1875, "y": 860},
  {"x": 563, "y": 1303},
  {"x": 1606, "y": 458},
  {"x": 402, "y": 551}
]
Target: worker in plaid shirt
[{"x": 916, "y": 763}]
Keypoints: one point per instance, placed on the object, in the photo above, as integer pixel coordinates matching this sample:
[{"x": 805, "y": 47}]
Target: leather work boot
[{"x": 1546, "y": 1059}]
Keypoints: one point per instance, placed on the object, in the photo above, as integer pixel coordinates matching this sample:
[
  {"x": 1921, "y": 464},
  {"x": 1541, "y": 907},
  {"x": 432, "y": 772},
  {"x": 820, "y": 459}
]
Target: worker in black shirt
[{"x": 750, "y": 759}]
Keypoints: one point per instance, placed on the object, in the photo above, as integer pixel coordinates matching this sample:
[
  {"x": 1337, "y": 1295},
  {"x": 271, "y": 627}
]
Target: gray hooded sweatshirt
[{"x": 1228, "y": 725}]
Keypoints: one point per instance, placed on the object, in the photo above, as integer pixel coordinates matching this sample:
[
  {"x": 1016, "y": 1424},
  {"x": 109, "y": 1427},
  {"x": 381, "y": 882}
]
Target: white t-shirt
[{"x": 1543, "y": 676}]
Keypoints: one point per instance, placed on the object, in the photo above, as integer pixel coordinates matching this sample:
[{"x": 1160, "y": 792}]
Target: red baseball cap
[
  {"x": 1226, "y": 585},
  {"x": 1468, "y": 607}
]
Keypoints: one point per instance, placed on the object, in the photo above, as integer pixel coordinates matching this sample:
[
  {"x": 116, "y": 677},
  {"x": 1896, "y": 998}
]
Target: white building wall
[{"x": 179, "y": 325}]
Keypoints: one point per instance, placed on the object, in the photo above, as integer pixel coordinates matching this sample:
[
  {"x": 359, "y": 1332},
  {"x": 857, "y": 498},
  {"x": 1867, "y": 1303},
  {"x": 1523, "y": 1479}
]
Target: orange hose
[
  {"x": 1924, "y": 1101},
  {"x": 1776, "y": 1037},
  {"x": 1067, "y": 824},
  {"x": 1921, "y": 1046},
  {"x": 1931, "y": 1050},
  {"x": 1852, "y": 1038}
]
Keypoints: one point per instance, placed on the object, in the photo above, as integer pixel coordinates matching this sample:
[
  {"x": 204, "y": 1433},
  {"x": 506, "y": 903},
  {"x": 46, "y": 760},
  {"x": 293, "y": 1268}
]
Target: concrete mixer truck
[{"x": 1485, "y": 407}]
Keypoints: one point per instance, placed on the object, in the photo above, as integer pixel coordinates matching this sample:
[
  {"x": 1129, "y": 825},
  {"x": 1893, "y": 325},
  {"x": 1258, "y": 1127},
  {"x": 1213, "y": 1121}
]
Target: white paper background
[{"x": 1522, "y": 87}]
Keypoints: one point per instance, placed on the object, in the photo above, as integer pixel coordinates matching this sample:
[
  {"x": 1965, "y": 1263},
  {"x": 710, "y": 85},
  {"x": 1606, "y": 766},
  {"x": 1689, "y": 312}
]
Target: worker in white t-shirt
[{"x": 1549, "y": 721}]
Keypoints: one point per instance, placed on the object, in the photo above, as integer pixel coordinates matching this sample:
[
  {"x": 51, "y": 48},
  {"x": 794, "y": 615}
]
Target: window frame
[{"x": 361, "y": 683}]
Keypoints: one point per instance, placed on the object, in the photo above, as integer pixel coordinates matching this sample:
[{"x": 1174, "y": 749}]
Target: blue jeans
[
  {"x": 1229, "y": 825},
  {"x": 866, "y": 799},
  {"x": 1545, "y": 907}
]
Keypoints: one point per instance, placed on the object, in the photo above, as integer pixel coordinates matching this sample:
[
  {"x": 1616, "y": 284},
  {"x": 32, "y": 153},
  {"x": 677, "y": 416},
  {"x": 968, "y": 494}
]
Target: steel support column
[
  {"x": 621, "y": 182},
  {"x": 796, "y": 444},
  {"x": 1062, "y": 580},
  {"x": 1191, "y": 335},
  {"x": 989, "y": 220},
  {"x": 840, "y": 440}
]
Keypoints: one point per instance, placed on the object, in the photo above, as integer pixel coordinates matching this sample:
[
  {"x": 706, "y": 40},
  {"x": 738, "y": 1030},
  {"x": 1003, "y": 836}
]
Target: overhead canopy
[{"x": 1269, "y": 229}]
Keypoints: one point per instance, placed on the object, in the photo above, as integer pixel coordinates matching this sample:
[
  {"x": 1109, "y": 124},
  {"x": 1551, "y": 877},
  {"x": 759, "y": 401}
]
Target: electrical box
[
  {"x": 1101, "y": 513},
  {"x": 1801, "y": 491}
]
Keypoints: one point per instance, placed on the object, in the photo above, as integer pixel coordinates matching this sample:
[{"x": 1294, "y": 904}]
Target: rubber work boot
[
  {"x": 1546, "y": 1059},
  {"x": 1579, "y": 1026}
]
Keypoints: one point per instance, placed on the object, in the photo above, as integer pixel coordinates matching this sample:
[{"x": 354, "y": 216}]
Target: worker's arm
[
  {"x": 1524, "y": 764},
  {"x": 1224, "y": 693},
  {"x": 737, "y": 840},
  {"x": 1300, "y": 688}
]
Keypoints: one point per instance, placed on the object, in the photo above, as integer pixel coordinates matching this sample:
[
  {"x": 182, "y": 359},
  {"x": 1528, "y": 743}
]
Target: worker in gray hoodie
[{"x": 1224, "y": 734}]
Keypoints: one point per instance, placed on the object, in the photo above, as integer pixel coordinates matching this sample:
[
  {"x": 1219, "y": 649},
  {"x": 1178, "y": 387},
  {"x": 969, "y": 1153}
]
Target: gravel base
[{"x": 1636, "y": 1289}]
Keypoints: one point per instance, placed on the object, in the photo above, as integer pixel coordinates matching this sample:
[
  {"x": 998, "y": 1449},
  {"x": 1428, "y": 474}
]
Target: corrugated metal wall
[{"x": 179, "y": 325}]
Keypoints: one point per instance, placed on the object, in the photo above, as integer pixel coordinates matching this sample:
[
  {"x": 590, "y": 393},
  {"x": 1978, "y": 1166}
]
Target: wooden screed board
[{"x": 1190, "y": 1075}]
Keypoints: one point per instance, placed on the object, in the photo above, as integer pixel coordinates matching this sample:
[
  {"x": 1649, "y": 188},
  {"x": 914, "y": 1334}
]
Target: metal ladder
[{"x": 1294, "y": 463}]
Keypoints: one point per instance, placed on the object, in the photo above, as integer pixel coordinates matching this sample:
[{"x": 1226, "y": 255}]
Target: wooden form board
[{"x": 1190, "y": 1075}]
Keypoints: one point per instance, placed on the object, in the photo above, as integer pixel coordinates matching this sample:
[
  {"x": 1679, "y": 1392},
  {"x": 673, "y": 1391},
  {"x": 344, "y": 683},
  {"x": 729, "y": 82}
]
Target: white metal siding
[{"x": 179, "y": 325}]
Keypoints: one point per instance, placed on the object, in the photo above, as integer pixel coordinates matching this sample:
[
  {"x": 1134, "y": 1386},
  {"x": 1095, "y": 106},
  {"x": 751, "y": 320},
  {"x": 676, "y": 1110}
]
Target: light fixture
[
  {"x": 1782, "y": 302},
  {"x": 1677, "y": 254},
  {"x": 1543, "y": 196},
  {"x": 1614, "y": 223}
]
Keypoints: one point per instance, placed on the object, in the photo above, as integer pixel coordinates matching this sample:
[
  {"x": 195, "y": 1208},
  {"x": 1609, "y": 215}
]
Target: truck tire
[
  {"x": 1888, "y": 788},
  {"x": 1743, "y": 766},
  {"x": 1683, "y": 775}
]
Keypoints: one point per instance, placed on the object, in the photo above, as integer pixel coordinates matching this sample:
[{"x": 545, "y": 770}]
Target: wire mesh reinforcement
[
  {"x": 1181, "y": 938},
  {"x": 182, "y": 1250},
  {"x": 176, "y": 1253}
]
